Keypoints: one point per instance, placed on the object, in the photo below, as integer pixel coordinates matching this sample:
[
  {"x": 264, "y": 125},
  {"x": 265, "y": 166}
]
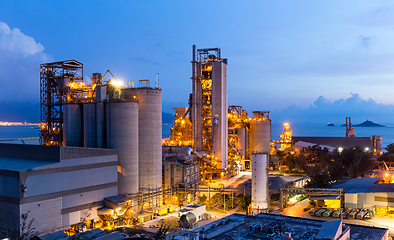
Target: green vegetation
[
  {"x": 302, "y": 197},
  {"x": 243, "y": 202},
  {"x": 326, "y": 167},
  {"x": 202, "y": 199},
  {"x": 389, "y": 155}
]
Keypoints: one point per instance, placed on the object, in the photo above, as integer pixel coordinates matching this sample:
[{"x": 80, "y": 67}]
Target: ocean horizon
[{"x": 298, "y": 129}]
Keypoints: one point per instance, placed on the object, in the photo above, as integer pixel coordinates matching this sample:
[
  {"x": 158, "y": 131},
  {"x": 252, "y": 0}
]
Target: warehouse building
[
  {"x": 367, "y": 193},
  {"x": 56, "y": 186}
]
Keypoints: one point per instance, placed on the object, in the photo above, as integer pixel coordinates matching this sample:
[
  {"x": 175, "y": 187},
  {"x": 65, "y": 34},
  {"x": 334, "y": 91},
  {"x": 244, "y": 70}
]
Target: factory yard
[{"x": 297, "y": 210}]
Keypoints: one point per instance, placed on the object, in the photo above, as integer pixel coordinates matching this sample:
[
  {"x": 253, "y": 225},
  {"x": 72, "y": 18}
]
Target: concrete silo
[
  {"x": 122, "y": 135},
  {"x": 89, "y": 125},
  {"x": 72, "y": 125},
  {"x": 150, "y": 135},
  {"x": 260, "y": 190},
  {"x": 260, "y": 132}
]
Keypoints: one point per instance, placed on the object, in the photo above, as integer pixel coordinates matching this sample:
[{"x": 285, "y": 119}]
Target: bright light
[
  {"x": 340, "y": 149},
  {"x": 116, "y": 83},
  {"x": 386, "y": 174},
  {"x": 366, "y": 149}
]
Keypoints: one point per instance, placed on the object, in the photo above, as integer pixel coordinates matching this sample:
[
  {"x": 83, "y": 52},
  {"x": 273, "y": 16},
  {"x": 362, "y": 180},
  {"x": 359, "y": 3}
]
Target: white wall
[{"x": 46, "y": 214}]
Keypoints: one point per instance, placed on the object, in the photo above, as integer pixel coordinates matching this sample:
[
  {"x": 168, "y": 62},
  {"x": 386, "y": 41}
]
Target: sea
[{"x": 298, "y": 129}]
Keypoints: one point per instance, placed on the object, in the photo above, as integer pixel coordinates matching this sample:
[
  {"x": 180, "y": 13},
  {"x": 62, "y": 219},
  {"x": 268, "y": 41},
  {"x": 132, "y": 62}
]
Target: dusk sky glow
[{"x": 302, "y": 60}]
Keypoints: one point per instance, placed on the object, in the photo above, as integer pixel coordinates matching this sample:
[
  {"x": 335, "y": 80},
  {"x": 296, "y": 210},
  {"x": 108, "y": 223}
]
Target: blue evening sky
[{"x": 302, "y": 60}]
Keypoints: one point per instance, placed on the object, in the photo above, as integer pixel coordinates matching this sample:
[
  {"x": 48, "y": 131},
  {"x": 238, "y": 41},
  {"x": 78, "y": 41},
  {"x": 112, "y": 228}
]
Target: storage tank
[
  {"x": 72, "y": 125},
  {"x": 187, "y": 220},
  {"x": 260, "y": 132},
  {"x": 89, "y": 125},
  {"x": 100, "y": 125},
  {"x": 122, "y": 134},
  {"x": 377, "y": 144},
  {"x": 260, "y": 190},
  {"x": 150, "y": 136}
]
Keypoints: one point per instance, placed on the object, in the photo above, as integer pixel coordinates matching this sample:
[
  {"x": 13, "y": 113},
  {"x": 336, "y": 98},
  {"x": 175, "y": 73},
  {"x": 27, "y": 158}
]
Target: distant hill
[
  {"x": 167, "y": 118},
  {"x": 366, "y": 124},
  {"x": 330, "y": 125}
]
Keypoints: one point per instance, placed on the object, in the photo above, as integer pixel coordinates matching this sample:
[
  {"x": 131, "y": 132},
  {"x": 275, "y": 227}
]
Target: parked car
[
  {"x": 337, "y": 213},
  {"x": 346, "y": 212},
  {"x": 313, "y": 211},
  {"x": 369, "y": 214},
  {"x": 353, "y": 214},
  {"x": 361, "y": 214},
  {"x": 320, "y": 212},
  {"x": 328, "y": 213}
]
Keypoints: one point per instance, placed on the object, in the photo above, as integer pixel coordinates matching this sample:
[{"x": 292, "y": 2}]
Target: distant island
[
  {"x": 330, "y": 125},
  {"x": 366, "y": 124}
]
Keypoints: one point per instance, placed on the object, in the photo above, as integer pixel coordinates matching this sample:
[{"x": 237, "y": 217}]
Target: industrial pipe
[{"x": 190, "y": 151}]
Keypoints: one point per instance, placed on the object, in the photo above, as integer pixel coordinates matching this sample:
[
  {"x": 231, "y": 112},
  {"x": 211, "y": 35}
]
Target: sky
[{"x": 305, "y": 61}]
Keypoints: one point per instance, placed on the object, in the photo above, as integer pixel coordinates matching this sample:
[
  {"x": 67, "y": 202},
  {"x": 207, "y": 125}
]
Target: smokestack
[{"x": 157, "y": 80}]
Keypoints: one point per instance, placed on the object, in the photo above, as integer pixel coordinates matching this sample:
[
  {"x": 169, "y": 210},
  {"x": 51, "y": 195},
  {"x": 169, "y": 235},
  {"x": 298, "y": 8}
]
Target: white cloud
[
  {"x": 324, "y": 110},
  {"x": 20, "y": 59}
]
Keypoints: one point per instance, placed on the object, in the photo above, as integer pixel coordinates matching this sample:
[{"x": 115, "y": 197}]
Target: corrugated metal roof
[
  {"x": 20, "y": 164},
  {"x": 344, "y": 142},
  {"x": 363, "y": 185},
  {"x": 329, "y": 229}
]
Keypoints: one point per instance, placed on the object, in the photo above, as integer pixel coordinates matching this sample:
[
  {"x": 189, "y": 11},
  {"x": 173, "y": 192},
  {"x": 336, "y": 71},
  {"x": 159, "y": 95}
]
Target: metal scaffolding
[{"x": 55, "y": 81}]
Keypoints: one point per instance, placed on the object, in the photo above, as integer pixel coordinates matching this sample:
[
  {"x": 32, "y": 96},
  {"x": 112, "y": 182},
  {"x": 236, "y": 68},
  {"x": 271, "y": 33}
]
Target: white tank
[
  {"x": 260, "y": 190},
  {"x": 72, "y": 125},
  {"x": 150, "y": 136},
  {"x": 122, "y": 134},
  {"x": 89, "y": 125},
  {"x": 260, "y": 135}
]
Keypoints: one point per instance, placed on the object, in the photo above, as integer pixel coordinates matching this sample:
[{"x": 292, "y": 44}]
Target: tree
[
  {"x": 389, "y": 155},
  {"x": 135, "y": 225},
  {"x": 163, "y": 230},
  {"x": 27, "y": 230},
  {"x": 202, "y": 199},
  {"x": 243, "y": 202}
]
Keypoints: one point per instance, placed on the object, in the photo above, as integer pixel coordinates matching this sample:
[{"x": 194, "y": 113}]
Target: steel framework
[{"x": 55, "y": 81}]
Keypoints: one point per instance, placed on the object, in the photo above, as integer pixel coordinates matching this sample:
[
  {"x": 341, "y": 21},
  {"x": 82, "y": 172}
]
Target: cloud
[
  {"x": 365, "y": 42},
  {"x": 20, "y": 61},
  {"x": 324, "y": 111}
]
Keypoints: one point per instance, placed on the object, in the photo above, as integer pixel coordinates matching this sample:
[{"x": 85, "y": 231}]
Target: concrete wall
[
  {"x": 9, "y": 219},
  {"x": 369, "y": 200},
  {"x": 46, "y": 214}
]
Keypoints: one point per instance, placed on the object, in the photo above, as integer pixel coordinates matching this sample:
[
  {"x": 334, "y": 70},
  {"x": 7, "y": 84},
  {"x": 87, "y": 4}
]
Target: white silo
[
  {"x": 260, "y": 189},
  {"x": 72, "y": 125},
  {"x": 122, "y": 135},
  {"x": 150, "y": 136},
  {"x": 260, "y": 132}
]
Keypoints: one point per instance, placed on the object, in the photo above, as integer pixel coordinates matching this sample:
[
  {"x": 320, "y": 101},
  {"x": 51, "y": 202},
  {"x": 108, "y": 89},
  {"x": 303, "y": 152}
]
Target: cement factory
[{"x": 102, "y": 159}]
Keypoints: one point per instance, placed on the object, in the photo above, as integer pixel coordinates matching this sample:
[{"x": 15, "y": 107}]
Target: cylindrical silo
[
  {"x": 260, "y": 190},
  {"x": 72, "y": 125},
  {"x": 260, "y": 133},
  {"x": 89, "y": 125},
  {"x": 100, "y": 127},
  {"x": 377, "y": 144},
  {"x": 241, "y": 141},
  {"x": 122, "y": 135},
  {"x": 150, "y": 136}
]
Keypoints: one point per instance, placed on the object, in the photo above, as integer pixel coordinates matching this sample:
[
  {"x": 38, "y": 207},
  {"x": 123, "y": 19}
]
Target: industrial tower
[{"x": 210, "y": 104}]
